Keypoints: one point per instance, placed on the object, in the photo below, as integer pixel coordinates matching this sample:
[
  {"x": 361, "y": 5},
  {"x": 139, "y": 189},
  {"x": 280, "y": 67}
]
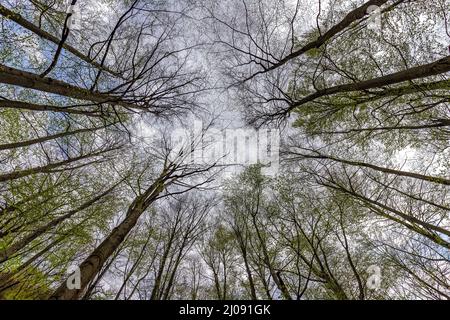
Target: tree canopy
[{"x": 97, "y": 185}]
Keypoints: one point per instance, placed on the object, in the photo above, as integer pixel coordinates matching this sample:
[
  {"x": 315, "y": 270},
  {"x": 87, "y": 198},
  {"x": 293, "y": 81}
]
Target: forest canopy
[{"x": 320, "y": 169}]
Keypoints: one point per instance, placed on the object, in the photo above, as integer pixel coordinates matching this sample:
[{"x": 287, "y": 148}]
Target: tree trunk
[
  {"x": 94, "y": 262},
  {"x": 33, "y": 81},
  {"x": 17, "y": 18}
]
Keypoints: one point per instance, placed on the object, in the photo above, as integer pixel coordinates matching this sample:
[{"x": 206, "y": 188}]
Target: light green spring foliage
[{"x": 296, "y": 221}]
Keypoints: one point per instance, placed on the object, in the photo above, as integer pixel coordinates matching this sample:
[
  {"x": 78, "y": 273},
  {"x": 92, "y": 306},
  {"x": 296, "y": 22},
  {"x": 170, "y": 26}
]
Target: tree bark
[
  {"x": 351, "y": 17},
  {"x": 33, "y": 81},
  {"x": 17, "y": 18},
  {"x": 427, "y": 70},
  {"x": 47, "y": 138},
  {"x": 419, "y": 176},
  {"x": 49, "y": 167},
  {"x": 94, "y": 262}
]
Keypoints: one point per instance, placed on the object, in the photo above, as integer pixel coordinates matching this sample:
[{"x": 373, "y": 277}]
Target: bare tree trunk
[
  {"x": 94, "y": 262},
  {"x": 13, "y": 104},
  {"x": 49, "y": 167},
  {"x": 381, "y": 169},
  {"x": 423, "y": 71},
  {"x": 350, "y": 18},
  {"x": 49, "y": 137},
  {"x": 30, "y": 80},
  {"x": 5, "y": 278},
  {"x": 17, "y": 18}
]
